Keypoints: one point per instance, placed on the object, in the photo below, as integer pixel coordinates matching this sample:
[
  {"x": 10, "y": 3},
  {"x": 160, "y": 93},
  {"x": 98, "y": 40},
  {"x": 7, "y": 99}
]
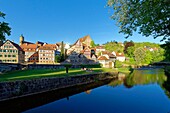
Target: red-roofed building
[
  {"x": 29, "y": 50},
  {"x": 120, "y": 57},
  {"x": 100, "y": 49}
]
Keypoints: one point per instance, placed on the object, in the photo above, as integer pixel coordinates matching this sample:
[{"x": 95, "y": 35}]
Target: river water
[{"x": 143, "y": 91}]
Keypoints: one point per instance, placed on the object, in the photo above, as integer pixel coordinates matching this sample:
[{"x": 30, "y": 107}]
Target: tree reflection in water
[{"x": 145, "y": 77}]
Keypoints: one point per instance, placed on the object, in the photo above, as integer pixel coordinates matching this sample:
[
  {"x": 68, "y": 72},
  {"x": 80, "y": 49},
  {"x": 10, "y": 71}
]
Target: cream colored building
[
  {"x": 11, "y": 52},
  {"x": 47, "y": 53}
]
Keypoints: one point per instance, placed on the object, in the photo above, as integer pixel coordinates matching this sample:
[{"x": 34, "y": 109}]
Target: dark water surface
[{"x": 143, "y": 91}]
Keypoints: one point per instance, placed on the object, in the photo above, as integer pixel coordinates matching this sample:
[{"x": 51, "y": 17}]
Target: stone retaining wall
[{"x": 25, "y": 87}]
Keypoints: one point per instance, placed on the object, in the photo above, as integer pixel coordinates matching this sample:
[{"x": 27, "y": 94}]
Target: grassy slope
[{"x": 39, "y": 73}]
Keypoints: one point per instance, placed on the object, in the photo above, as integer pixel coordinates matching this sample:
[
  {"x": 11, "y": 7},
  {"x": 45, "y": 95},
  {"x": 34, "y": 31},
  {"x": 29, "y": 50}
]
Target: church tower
[{"x": 21, "y": 40}]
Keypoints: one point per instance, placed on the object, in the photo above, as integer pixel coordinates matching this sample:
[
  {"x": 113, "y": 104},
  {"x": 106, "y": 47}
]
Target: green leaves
[
  {"x": 4, "y": 28},
  {"x": 148, "y": 17}
]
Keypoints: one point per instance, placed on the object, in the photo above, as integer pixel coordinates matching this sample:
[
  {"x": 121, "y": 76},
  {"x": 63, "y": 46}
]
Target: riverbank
[{"x": 15, "y": 89}]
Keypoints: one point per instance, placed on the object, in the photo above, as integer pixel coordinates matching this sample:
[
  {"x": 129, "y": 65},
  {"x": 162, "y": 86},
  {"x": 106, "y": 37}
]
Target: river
[{"x": 143, "y": 91}]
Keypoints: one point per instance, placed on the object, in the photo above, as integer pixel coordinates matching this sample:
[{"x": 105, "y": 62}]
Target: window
[
  {"x": 0, "y": 50},
  {"x": 0, "y": 55},
  {"x": 5, "y": 55},
  {"x": 11, "y": 51},
  {"x": 13, "y": 55},
  {"x": 4, "y": 50},
  {"x": 9, "y": 55}
]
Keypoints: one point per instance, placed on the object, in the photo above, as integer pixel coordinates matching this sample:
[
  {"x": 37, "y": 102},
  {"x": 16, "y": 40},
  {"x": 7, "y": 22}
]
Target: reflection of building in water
[
  {"x": 88, "y": 91},
  {"x": 121, "y": 76}
]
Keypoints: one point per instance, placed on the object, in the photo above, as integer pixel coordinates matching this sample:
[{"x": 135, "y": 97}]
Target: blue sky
[{"x": 54, "y": 21}]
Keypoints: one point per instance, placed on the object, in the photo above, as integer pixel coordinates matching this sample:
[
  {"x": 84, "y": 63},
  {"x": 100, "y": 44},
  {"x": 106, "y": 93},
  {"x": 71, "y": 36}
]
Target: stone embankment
[{"x": 19, "y": 88}]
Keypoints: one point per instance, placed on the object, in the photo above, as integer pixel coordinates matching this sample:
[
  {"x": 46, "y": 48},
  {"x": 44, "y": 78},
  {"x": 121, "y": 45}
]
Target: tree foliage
[
  {"x": 139, "y": 55},
  {"x": 127, "y": 45},
  {"x": 130, "y": 51},
  {"x": 57, "y": 58},
  {"x": 4, "y": 28},
  {"x": 114, "y": 46},
  {"x": 92, "y": 44},
  {"x": 62, "y": 54},
  {"x": 148, "y": 17}
]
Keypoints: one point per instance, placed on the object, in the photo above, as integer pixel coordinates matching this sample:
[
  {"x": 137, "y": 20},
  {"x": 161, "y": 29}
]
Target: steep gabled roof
[
  {"x": 14, "y": 44},
  {"x": 102, "y": 58}
]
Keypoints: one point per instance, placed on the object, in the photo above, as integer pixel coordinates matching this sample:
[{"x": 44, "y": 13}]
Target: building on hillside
[
  {"x": 81, "y": 52},
  {"x": 107, "y": 59},
  {"x": 86, "y": 52},
  {"x": 11, "y": 52},
  {"x": 47, "y": 53},
  {"x": 106, "y": 62},
  {"x": 99, "y": 49},
  {"x": 120, "y": 57},
  {"x": 78, "y": 59},
  {"x": 80, "y": 45}
]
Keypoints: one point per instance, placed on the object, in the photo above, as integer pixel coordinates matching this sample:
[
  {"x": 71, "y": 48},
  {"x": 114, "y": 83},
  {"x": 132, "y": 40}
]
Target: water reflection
[{"x": 144, "y": 77}]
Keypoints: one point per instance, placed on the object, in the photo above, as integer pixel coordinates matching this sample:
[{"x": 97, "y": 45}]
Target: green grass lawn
[{"x": 39, "y": 73}]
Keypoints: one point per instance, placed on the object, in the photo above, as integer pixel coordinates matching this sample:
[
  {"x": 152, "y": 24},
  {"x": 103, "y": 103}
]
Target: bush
[{"x": 118, "y": 64}]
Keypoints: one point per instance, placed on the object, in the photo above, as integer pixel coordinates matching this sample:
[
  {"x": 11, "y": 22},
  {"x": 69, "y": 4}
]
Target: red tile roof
[
  {"x": 48, "y": 47},
  {"x": 29, "y": 47},
  {"x": 120, "y": 54},
  {"x": 102, "y": 58}
]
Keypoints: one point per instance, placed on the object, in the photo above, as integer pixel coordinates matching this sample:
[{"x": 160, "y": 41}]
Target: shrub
[{"x": 118, "y": 64}]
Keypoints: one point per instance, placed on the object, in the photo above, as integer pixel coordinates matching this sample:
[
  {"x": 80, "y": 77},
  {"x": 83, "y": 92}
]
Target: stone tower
[{"x": 21, "y": 40}]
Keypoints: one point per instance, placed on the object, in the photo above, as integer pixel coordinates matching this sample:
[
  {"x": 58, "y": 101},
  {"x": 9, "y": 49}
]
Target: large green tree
[
  {"x": 4, "y": 28},
  {"x": 139, "y": 54},
  {"x": 148, "y": 17}
]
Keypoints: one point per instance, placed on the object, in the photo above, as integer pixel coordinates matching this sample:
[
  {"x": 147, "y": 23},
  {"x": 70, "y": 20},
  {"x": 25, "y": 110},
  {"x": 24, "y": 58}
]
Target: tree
[
  {"x": 130, "y": 51},
  {"x": 4, "y": 28},
  {"x": 92, "y": 44},
  {"x": 57, "y": 58},
  {"x": 62, "y": 55},
  {"x": 139, "y": 55},
  {"x": 127, "y": 45},
  {"x": 148, "y": 57},
  {"x": 148, "y": 17}
]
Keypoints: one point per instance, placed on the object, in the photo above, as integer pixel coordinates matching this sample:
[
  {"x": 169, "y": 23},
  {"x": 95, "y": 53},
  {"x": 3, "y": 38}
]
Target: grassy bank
[{"x": 39, "y": 73}]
